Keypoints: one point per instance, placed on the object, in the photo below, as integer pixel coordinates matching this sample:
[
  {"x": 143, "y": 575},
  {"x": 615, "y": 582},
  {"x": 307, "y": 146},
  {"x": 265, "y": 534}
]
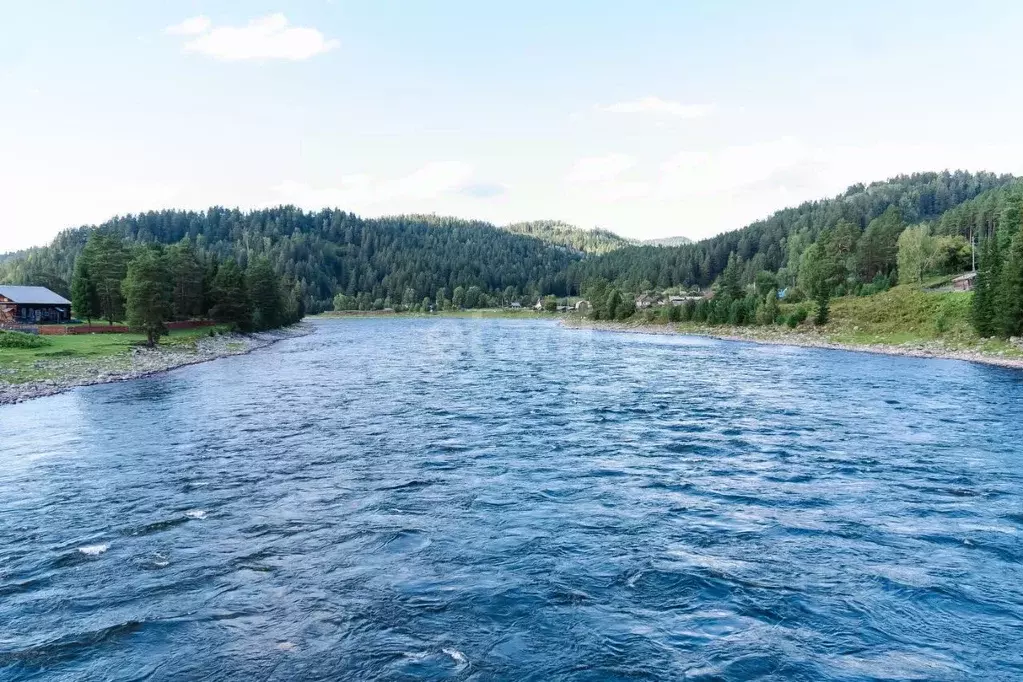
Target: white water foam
[
  {"x": 195, "y": 514},
  {"x": 416, "y": 657},
  {"x": 94, "y": 550},
  {"x": 457, "y": 656}
]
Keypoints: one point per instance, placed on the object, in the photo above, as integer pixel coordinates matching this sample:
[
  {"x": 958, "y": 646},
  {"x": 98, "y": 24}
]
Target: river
[{"x": 423, "y": 499}]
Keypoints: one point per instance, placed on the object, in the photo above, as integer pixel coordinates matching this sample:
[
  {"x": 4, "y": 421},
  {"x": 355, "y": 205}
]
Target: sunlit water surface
[{"x": 500, "y": 500}]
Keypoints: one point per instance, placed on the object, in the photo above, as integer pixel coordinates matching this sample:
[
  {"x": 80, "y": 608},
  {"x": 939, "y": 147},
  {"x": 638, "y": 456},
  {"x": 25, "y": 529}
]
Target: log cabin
[{"x": 32, "y": 305}]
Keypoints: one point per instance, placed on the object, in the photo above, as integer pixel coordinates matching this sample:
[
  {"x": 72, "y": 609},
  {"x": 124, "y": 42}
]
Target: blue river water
[{"x": 427, "y": 499}]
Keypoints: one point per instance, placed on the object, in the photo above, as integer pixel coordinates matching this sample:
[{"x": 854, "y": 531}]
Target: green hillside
[{"x": 557, "y": 233}]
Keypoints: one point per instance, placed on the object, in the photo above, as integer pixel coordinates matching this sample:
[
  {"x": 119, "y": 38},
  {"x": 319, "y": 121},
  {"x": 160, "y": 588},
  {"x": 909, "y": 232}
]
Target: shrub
[
  {"x": 21, "y": 340},
  {"x": 797, "y": 317}
]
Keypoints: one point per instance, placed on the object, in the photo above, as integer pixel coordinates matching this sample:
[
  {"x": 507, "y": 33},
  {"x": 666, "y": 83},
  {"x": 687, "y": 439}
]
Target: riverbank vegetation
[
  {"x": 796, "y": 268},
  {"x": 149, "y": 285},
  {"x": 849, "y": 261},
  {"x": 41, "y": 359}
]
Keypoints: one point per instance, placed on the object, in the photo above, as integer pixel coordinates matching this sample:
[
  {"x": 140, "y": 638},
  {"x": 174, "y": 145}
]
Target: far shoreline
[{"x": 777, "y": 337}]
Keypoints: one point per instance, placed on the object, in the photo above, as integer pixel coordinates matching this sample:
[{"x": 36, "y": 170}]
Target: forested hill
[
  {"x": 776, "y": 243},
  {"x": 332, "y": 252},
  {"x": 395, "y": 259},
  {"x": 667, "y": 241},
  {"x": 557, "y": 233}
]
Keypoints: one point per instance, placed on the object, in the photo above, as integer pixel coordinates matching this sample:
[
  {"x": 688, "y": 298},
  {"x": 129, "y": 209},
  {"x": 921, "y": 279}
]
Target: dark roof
[{"x": 32, "y": 295}]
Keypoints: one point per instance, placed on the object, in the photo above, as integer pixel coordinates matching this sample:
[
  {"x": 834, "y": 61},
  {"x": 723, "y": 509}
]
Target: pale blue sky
[{"x": 648, "y": 118}]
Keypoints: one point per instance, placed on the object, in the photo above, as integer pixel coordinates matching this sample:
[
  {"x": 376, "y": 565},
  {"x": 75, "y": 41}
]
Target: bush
[
  {"x": 797, "y": 317},
  {"x": 21, "y": 340}
]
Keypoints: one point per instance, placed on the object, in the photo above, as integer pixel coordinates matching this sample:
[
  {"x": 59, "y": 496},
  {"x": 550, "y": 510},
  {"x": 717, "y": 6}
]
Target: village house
[
  {"x": 32, "y": 305},
  {"x": 645, "y": 301},
  {"x": 679, "y": 300},
  {"x": 582, "y": 307},
  {"x": 965, "y": 282}
]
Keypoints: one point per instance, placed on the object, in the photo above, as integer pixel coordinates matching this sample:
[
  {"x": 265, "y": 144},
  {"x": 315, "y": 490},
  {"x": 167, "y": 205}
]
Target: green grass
[
  {"x": 901, "y": 316},
  {"x": 18, "y": 365}
]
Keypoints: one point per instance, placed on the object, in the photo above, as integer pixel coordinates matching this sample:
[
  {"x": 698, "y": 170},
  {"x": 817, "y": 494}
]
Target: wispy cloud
[
  {"x": 190, "y": 27},
  {"x": 658, "y": 106},
  {"x": 265, "y": 38},
  {"x": 432, "y": 181}
]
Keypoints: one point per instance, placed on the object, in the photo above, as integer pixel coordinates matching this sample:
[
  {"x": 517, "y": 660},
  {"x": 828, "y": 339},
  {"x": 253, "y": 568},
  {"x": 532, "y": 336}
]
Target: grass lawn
[{"x": 18, "y": 365}]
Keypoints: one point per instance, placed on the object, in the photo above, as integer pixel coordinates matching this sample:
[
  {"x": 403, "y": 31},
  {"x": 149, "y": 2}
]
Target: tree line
[
  {"x": 869, "y": 238},
  {"x": 148, "y": 285},
  {"x": 777, "y": 244},
  {"x": 998, "y": 292},
  {"x": 332, "y": 252}
]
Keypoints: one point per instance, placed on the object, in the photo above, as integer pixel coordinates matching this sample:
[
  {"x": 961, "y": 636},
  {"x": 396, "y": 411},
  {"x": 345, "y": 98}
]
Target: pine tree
[
  {"x": 147, "y": 293},
  {"x": 108, "y": 262},
  {"x": 84, "y": 297},
  {"x": 187, "y": 273},
  {"x": 983, "y": 313},
  {"x": 730, "y": 288},
  {"x": 1009, "y": 298},
  {"x": 232, "y": 305},
  {"x": 265, "y": 294}
]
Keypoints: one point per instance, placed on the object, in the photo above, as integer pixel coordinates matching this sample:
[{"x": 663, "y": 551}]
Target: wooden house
[{"x": 32, "y": 305}]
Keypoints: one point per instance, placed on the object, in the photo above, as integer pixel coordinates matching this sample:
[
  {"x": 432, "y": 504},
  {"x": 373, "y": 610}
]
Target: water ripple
[{"x": 446, "y": 499}]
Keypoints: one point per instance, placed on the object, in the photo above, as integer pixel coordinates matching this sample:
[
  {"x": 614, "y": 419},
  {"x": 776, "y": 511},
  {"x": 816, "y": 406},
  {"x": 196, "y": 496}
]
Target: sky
[{"x": 652, "y": 119}]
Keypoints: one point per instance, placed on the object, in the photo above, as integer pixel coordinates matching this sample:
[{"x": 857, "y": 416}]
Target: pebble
[{"x": 140, "y": 362}]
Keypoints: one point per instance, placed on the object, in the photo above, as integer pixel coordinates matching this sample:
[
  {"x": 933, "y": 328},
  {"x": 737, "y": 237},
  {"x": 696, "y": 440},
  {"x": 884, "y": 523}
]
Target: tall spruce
[
  {"x": 265, "y": 293},
  {"x": 187, "y": 273},
  {"x": 147, "y": 294},
  {"x": 231, "y": 298},
  {"x": 84, "y": 297},
  {"x": 108, "y": 265},
  {"x": 983, "y": 313},
  {"x": 1009, "y": 299}
]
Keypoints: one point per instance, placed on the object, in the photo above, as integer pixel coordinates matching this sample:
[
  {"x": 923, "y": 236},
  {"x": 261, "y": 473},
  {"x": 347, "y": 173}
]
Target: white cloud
[
  {"x": 658, "y": 106},
  {"x": 190, "y": 27},
  {"x": 269, "y": 37},
  {"x": 360, "y": 191}
]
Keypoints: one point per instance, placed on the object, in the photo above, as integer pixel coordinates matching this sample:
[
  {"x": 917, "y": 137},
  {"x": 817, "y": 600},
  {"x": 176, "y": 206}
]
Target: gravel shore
[
  {"x": 934, "y": 350},
  {"x": 68, "y": 373}
]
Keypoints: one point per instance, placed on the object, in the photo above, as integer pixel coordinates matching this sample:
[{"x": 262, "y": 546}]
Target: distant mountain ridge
[
  {"x": 557, "y": 233},
  {"x": 401, "y": 257},
  {"x": 667, "y": 241},
  {"x": 775, "y": 243}
]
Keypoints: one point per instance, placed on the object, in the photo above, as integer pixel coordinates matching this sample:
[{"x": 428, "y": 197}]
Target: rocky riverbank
[
  {"x": 63, "y": 374},
  {"x": 811, "y": 339}
]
